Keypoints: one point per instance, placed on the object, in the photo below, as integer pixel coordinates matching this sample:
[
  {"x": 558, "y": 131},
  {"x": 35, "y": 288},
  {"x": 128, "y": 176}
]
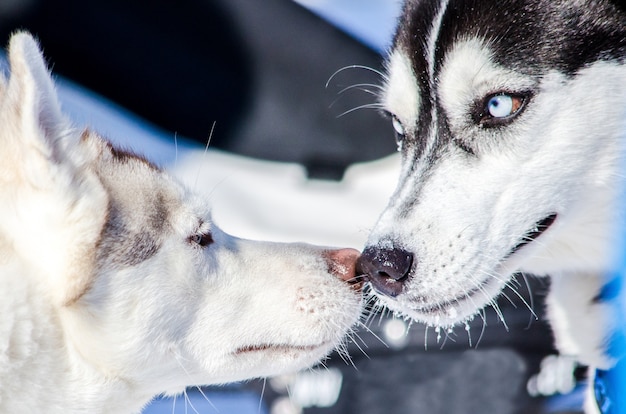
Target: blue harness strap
[
  {"x": 610, "y": 389},
  {"x": 609, "y": 386}
]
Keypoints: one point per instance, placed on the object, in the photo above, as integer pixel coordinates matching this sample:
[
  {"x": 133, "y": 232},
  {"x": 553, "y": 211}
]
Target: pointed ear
[
  {"x": 47, "y": 185},
  {"x": 32, "y": 82},
  {"x": 30, "y": 108}
]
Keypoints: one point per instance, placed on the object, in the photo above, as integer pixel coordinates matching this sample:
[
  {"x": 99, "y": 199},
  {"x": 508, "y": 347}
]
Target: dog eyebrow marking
[{"x": 121, "y": 246}]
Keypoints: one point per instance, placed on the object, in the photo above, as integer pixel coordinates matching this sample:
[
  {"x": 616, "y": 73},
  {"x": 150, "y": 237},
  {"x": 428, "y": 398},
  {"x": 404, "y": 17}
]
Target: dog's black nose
[{"x": 386, "y": 269}]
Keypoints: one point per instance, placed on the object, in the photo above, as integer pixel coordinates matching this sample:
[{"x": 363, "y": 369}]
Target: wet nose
[
  {"x": 386, "y": 269},
  {"x": 342, "y": 263}
]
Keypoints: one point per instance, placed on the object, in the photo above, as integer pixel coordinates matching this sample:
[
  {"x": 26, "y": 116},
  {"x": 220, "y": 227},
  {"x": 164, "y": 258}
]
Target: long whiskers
[
  {"x": 369, "y": 88},
  {"x": 188, "y": 403},
  {"x": 375, "y": 105},
  {"x": 510, "y": 284},
  {"x": 530, "y": 297},
  {"x": 262, "y": 395},
  {"x": 481, "y": 312},
  {"x": 175, "y": 149},
  {"x": 338, "y": 71},
  {"x": 179, "y": 360},
  {"x": 363, "y": 88},
  {"x": 373, "y": 334}
]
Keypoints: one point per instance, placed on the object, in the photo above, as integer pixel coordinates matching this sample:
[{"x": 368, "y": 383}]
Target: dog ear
[
  {"x": 32, "y": 124},
  {"x": 30, "y": 94},
  {"x": 47, "y": 188}
]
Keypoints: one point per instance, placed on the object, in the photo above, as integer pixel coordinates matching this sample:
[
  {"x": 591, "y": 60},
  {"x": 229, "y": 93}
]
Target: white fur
[
  {"x": 93, "y": 323},
  {"x": 401, "y": 89}
]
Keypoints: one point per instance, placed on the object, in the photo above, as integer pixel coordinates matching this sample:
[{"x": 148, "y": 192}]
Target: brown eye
[{"x": 201, "y": 239}]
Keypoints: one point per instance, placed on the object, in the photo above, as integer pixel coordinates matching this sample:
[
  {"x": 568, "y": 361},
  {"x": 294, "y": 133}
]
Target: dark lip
[
  {"x": 531, "y": 235},
  {"x": 277, "y": 347}
]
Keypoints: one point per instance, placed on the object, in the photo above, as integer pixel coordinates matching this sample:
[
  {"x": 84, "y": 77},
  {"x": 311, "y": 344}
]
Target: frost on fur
[{"x": 513, "y": 156}]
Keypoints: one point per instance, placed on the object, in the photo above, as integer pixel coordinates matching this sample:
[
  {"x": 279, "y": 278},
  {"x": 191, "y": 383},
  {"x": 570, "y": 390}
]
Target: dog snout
[
  {"x": 342, "y": 263},
  {"x": 387, "y": 269}
]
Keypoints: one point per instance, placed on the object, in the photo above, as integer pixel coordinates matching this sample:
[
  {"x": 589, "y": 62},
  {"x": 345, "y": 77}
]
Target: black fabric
[
  {"x": 256, "y": 69},
  {"x": 178, "y": 64}
]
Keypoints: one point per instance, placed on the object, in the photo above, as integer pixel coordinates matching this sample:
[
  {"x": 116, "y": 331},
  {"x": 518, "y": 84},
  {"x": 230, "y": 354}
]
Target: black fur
[{"x": 530, "y": 36}]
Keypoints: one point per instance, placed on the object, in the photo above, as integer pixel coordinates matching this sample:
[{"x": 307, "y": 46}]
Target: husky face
[
  {"x": 221, "y": 305},
  {"x": 510, "y": 117},
  {"x": 115, "y": 283}
]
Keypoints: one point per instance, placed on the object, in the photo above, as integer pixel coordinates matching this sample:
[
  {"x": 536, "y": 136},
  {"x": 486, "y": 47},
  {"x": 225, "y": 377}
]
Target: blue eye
[
  {"x": 501, "y": 106},
  {"x": 399, "y": 131},
  {"x": 397, "y": 126}
]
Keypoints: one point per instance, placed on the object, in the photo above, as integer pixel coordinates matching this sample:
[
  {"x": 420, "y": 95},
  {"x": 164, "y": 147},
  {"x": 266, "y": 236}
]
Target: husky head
[
  {"x": 510, "y": 117},
  {"x": 131, "y": 288}
]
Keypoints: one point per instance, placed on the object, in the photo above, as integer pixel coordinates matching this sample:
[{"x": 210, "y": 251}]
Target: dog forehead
[
  {"x": 524, "y": 35},
  {"x": 469, "y": 73}
]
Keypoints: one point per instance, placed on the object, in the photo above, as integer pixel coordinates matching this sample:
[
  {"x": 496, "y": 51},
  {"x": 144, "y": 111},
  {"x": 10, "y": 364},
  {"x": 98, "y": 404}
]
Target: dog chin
[{"x": 446, "y": 312}]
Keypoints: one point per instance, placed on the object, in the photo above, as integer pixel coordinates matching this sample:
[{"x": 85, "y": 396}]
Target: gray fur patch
[{"x": 119, "y": 245}]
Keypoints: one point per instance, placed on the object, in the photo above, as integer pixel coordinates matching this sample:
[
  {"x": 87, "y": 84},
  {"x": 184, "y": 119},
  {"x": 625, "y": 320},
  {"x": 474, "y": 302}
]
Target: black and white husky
[{"x": 510, "y": 117}]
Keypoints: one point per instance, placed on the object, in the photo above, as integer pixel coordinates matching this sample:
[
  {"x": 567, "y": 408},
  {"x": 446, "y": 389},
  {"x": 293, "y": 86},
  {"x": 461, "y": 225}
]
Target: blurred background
[{"x": 286, "y": 92}]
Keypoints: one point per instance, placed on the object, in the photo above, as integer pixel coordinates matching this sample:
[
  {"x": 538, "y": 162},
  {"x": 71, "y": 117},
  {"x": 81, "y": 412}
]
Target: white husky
[
  {"x": 116, "y": 286},
  {"x": 511, "y": 120}
]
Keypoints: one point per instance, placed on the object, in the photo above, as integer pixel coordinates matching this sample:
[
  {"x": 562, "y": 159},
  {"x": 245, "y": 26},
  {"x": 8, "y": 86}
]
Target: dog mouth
[
  {"x": 454, "y": 309},
  {"x": 457, "y": 308},
  {"x": 282, "y": 348},
  {"x": 447, "y": 306},
  {"x": 531, "y": 235}
]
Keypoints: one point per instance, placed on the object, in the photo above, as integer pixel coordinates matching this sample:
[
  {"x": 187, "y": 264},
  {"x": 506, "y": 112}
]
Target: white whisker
[
  {"x": 513, "y": 288},
  {"x": 188, "y": 401},
  {"x": 338, "y": 71},
  {"x": 482, "y": 331},
  {"x": 365, "y": 106},
  {"x": 178, "y": 358},
  {"x": 346, "y": 355},
  {"x": 261, "y": 397},
  {"x": 374, "y": 335},
  {"x": 531, "y": 298},
  {"x": 206, "y": 149},
  {"x": 496, "y": 307},
  {"x": 206, "y": 398},
  {"x": 362, "y": 87},
  {"x": 175, "y": 150}
]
